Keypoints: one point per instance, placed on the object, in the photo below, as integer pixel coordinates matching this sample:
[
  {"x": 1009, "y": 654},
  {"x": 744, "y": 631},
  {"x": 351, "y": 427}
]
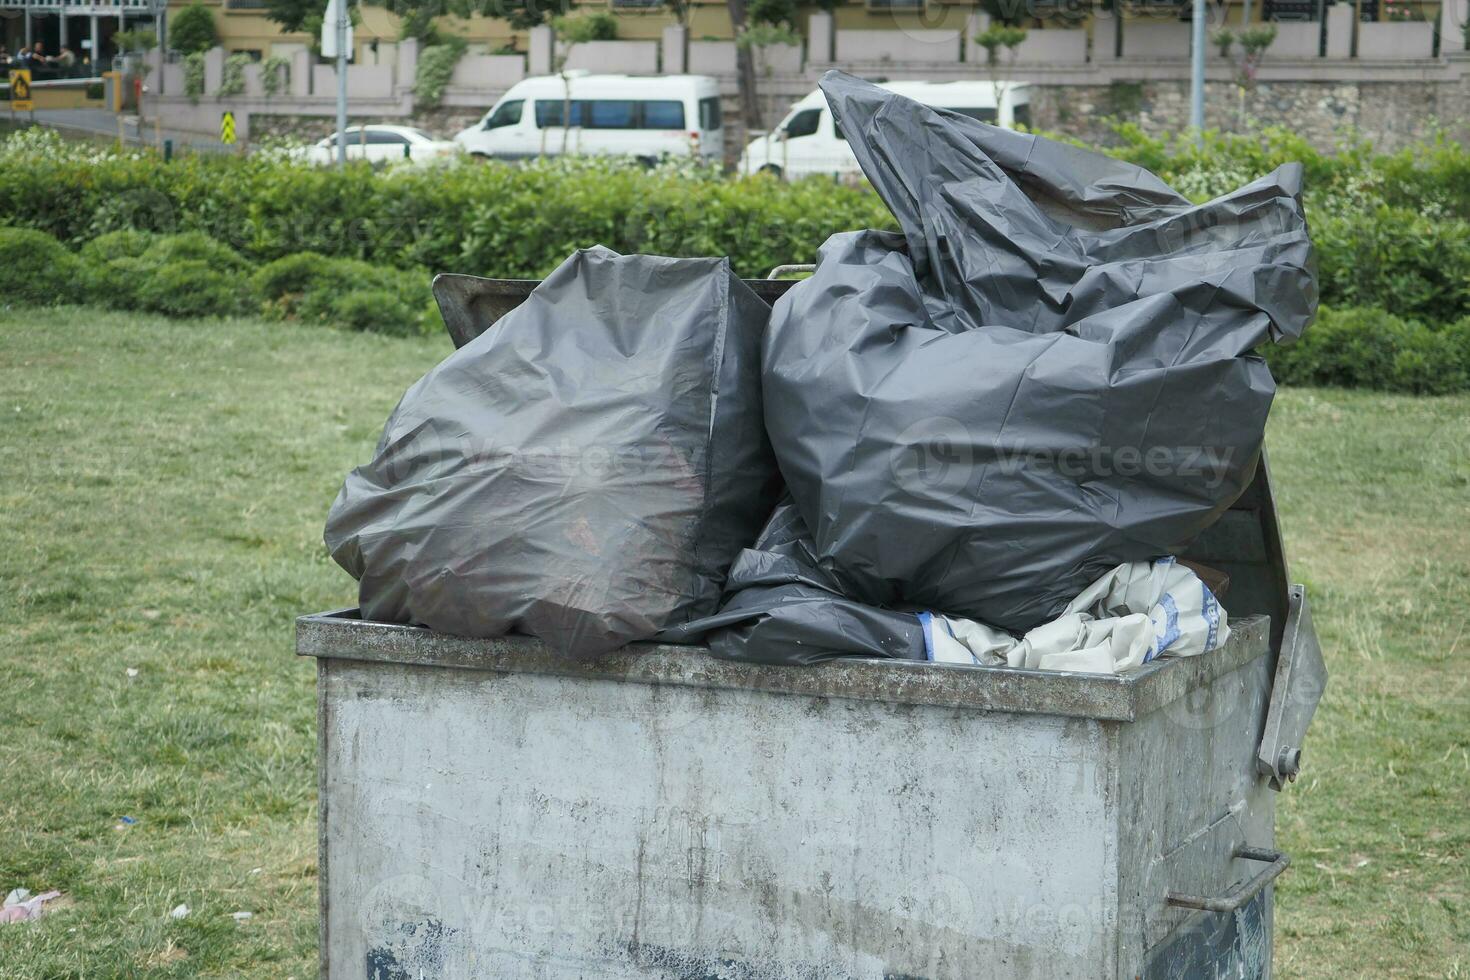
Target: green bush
[
  {"x": 1401, "y": 260},
  {"x": 502, "y": 220},
  {"x": 35, "y": 268},
  {"x": 348, "y": 293},
  {"x": 177, "y": 275},
  {"x": 1368, "y": 347},
  {"x": 192, "y": 30}
]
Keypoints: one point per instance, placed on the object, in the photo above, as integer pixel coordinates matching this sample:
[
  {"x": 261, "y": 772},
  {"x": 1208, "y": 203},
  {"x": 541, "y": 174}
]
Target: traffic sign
[
  {"x": 20, "y": 90},
  {"x": 227, "y": 128}
]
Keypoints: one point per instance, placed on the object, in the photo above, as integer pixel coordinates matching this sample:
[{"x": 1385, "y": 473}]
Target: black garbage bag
[
  {"x": 1047, "y": 373},
  {"x": 783, "y": 609},
  {"x": 585, "y": 471}
]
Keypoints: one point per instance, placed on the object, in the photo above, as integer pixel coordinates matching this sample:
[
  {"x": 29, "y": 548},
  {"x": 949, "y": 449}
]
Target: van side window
[
  {"x": 804, "y": 123},
  {"x": 505, "y": 114},
  {"x": 607, "y": 114},
  {"x": 709, "y": 113},
  {"x": 548, "y": 113},
  {"x": 663, "y": 114},
  {"x": 1021, "y": 115},
  {"x": 983, "y": 115}
]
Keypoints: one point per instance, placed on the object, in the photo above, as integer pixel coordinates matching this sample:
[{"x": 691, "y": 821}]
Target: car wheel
[{"x": 771, "y": 169}]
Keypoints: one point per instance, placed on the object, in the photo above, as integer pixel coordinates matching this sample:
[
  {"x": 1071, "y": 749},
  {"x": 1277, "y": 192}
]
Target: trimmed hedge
[
  {"x": 1393, "y": 230},
  {"x": 349, "y": 293},
  {"x": 1371, "y": 348},
  {"x": 191, "y": 275},
  {"x": 177, "y": 275},
  {"x": 35, "y": 268}
]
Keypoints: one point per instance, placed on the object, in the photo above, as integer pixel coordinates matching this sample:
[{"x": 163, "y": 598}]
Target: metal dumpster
[{"x": 489, "y": 809}]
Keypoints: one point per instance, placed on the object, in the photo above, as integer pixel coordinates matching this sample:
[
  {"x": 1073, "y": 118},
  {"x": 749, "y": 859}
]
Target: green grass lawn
[{"x": 162, "y": 491}]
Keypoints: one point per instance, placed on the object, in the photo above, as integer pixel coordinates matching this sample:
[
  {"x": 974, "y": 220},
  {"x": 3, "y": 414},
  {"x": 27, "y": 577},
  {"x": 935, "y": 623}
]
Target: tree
[
  {"x": 571, "y": 31},
  {"x": 995, "y": 38},
  {"x": 192, "y": 29},
  {"x": 293, "y": 15}
]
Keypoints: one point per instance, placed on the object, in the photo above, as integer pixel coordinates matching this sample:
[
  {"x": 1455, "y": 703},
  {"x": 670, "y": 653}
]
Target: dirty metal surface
[
  {"x": 482, "y": 824},
  {"x": 341, "y": 635}
]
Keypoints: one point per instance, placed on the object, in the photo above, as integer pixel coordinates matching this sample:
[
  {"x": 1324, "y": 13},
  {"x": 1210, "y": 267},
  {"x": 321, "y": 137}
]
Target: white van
[
  {"x": 808, "y": 142},
  {"x": 647, "y": 117}
]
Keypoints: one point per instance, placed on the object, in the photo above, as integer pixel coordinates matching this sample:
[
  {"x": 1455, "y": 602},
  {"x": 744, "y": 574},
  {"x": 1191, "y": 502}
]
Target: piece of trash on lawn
[
  {"x": 241, "y": 916},
  {"x": 123, "y": 823},
  {"x": 132, "y": 671},
  {"x": 180, "y": 912},
  {"x": 21, "y": 905},
  {"x": 256, "y": 871}
]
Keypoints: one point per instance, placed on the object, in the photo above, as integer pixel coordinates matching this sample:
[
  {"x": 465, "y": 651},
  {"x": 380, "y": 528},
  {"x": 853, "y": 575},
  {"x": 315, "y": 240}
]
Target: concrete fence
[{"x": 1152, "y": 50}]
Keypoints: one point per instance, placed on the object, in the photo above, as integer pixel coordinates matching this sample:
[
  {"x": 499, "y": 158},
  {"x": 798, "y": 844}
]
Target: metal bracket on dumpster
[
  {"x": 1277, "y": 863},
  {"x": 1301, "y": 676}
]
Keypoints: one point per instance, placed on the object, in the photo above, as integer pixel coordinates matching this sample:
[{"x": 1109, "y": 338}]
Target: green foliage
[
  {"x": 1254, "y": 41},
  {"x": 597, "y": 26},
  {"x": 1392, "y": 231},
  {"x": 192, "y": 30},
  {"x": 194, "y": 76},
  {"x": 232, "y": 78},
  {"x": 275, "y": 75},
  {"x": 760, "y": 36},
  {"x": 1400, "y": 260},
  {"x": 777, "y": 13},
  {"x": 999, "y": 36},
  {"x": 1223, "y": 40},
  {"x": 177, "y": 275},
  {"x": 1370, "y": 348},
  {"x": 435, "y": 68},
  {"x": 35, "y": 268},
  {"x": 292, "y": 15},
  {"x": 350, "y": 293},
  {"x": 511, "y": 221}
]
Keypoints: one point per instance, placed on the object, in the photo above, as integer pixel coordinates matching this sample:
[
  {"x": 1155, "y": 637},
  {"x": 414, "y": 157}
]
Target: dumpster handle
[
  {"x": 782, "y": 271},
  {"x": 1235, "y": 899}
]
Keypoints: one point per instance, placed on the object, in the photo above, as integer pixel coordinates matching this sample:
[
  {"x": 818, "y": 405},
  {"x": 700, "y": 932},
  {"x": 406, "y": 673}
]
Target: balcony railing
[{"x": 81, "y": 8}]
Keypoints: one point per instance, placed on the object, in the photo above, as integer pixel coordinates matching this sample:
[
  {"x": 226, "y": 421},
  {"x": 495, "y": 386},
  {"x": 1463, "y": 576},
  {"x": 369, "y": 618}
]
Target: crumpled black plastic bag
[
  {"x": 784, "y": 610},
  {"x": 1048, "y": 373},
  {"x": 585, "y": 471}
]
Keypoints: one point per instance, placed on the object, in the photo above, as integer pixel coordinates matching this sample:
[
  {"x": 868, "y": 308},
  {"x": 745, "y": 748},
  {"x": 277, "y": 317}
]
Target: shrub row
[
  {"x": 1393, "y": 230},
  {"x": 1367, "y": 347},
  {"x": 190, "y": 274}
]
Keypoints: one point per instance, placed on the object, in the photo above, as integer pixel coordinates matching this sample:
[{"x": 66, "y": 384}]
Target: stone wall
[{"x": 1390, "y": 113}]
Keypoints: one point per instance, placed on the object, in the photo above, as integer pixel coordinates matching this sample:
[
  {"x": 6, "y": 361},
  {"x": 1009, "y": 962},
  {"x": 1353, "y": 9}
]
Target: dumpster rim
[{"x": 341, "y": 635}]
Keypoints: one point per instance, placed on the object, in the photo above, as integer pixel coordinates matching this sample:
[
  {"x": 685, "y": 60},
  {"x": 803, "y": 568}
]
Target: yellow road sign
[
  {"x": 227, "y": 128},
  {"x": 20, "y": 90}
]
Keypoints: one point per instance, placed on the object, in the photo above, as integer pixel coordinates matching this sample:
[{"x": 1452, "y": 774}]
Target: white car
[
  {"x": 649, "y": 118},
  {"x": 807, "y": 141},
  {"x": 380, "y": 144}
]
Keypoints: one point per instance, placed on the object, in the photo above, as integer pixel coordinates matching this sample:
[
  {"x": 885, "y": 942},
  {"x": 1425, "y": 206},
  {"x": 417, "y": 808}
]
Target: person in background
[{"x": 65, "y": 60}]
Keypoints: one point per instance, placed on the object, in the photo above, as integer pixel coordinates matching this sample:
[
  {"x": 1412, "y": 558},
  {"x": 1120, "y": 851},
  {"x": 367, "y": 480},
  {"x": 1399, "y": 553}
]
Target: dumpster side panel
[
  {"x": 1191, "y": 795},
  {"x": 490, "y": 824}
]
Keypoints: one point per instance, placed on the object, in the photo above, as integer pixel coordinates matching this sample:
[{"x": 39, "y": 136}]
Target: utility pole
[
  {"x": 337, "y": 42},
  {"x": 341, "y": 28},
  {"x": 1197, "y": 72}
]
